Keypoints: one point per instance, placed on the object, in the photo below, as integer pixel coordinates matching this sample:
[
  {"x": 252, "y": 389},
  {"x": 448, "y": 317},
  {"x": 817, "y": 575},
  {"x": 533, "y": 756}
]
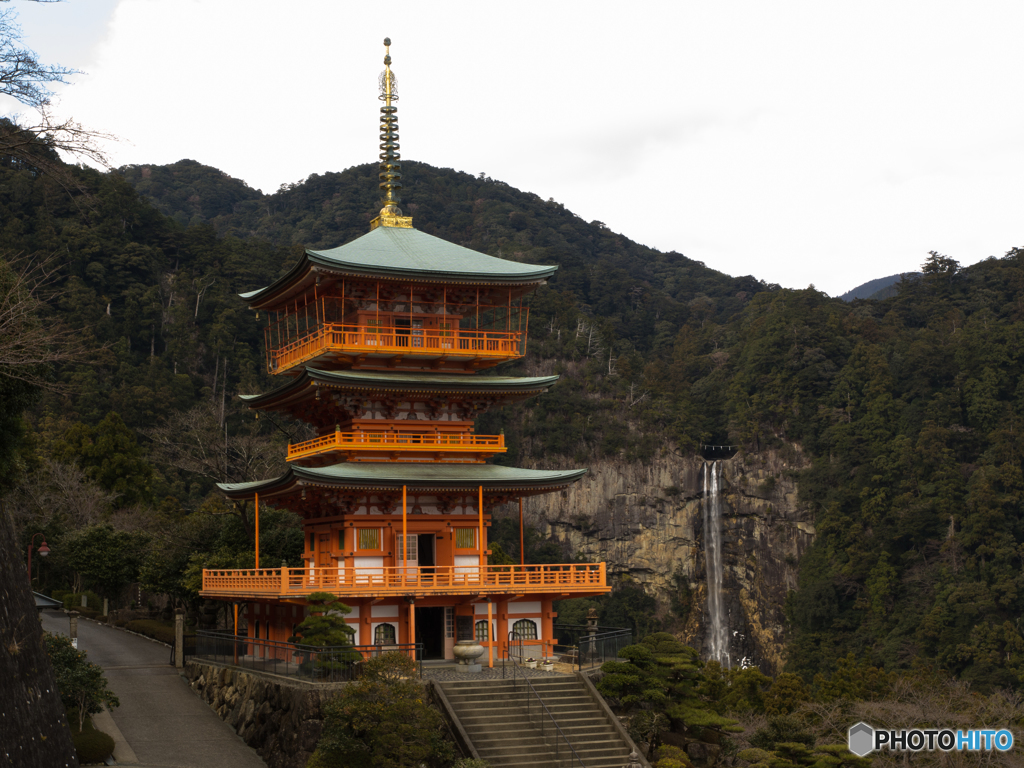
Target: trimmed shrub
[
  {"x": 158, "y": 630},
  {"x": 92, "y": 746}
]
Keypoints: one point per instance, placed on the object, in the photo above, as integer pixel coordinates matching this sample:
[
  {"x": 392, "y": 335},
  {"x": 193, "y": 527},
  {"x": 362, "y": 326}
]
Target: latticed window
[
  {"x": 384, "y": 634},
  {"x": 465, "y": 538},
  {"x": 481, "y": 632},
  {"x": 524, "y": 629},
  {"x": 411, "y": 552},
  {"x": 449, "y": 622},
  {"x": 369, "y": 538}
]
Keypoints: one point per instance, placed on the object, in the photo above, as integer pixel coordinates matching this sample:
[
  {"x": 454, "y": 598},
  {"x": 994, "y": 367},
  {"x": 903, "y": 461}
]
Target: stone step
[
  {"x": 570, "y": 718},
  {"x": 510, "y": 728},
  {"x": 576, "y": 724}
]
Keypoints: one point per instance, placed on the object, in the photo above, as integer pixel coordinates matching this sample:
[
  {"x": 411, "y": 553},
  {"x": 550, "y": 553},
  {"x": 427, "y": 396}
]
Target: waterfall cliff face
[
  {"x": 717, "y": 621},
  {"x": 647, "y": 522}
]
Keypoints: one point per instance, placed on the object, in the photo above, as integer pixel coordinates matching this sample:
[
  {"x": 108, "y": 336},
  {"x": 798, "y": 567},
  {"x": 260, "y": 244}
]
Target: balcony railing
[
  {"x": 423, "y": 580},
  {"x": 390, "y": 342},
  {"x": 439, "y": 442}
]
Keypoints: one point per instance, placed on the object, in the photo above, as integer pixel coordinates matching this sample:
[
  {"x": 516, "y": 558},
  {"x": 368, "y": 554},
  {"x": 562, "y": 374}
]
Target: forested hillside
[{"x": 910, "y": 407}]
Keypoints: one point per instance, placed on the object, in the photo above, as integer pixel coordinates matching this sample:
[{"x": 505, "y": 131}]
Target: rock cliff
[{"x": 647, "y": 522}]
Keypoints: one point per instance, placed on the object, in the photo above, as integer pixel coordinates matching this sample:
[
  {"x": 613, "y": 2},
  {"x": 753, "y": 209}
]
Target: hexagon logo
[{"x": 861, "y": 739}]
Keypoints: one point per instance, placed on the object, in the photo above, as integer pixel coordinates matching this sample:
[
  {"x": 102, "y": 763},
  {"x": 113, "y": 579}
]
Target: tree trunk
[{"x": 35, "y": 730}]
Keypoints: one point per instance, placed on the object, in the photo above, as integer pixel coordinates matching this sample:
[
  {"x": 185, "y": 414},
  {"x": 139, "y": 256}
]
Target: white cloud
[{"x": 802, "y": 142}]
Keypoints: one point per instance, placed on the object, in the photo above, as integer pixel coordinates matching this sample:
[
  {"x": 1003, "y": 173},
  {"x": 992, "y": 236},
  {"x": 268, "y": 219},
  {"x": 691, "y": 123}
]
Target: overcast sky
[{"x": 801, "y": 142}]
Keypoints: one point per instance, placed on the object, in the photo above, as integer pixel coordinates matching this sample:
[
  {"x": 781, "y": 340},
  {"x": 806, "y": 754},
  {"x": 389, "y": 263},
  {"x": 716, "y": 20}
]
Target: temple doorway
[
  {"x": 430, "y": 632},
  {"x": 425, "y": 548}
]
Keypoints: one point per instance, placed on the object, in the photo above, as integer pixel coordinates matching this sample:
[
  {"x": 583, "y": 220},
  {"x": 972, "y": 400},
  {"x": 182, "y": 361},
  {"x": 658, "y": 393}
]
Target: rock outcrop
[{"x": 646, "y": 522}]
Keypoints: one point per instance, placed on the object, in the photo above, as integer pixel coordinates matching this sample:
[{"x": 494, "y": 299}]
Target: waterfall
[{"x": 718, "y": 630}]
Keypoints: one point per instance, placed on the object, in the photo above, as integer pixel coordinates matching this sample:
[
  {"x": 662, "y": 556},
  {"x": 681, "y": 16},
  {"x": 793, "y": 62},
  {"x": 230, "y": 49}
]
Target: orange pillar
[
  {"x": 480, "y": 508},
  {"x": 522, "y": 548},
  {"x": 547, "y": 629},
  {"x": 405, "y": 533},
  {"x": 257, "y": 531},
  {"x": 412, "y": 629},
  {"x": 490, "y": 634}
]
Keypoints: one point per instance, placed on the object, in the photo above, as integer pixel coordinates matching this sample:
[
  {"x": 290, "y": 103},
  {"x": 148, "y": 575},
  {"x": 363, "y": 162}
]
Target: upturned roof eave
[
  {"x": 393, "y": 476},
  {"x": 400, "y": 382}
]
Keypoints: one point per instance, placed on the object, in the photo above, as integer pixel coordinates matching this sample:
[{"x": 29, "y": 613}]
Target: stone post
[
  {"x": 591, "y": 644},
  {"x": 73, "y": 628},
  {"x": 179, "y": 638},
  {"x": 106, "y": 607},
  {"x": 634, "y": 761},
  {"x": 85, "y": 601}
]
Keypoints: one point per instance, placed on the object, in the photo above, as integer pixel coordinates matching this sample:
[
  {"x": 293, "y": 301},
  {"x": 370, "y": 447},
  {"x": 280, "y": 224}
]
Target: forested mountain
[
  {"x": 880, "y": 288},
  {"x": 910, "y": 407}
]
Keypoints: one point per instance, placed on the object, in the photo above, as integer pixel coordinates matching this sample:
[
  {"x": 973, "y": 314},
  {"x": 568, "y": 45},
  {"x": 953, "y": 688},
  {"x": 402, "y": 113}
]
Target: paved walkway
[
  {"x": 453, "y": 672},
  {"x": 161, "y": 723}
]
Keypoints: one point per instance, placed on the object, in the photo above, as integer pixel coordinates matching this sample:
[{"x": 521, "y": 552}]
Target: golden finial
[{"x": 390, "y": 174}]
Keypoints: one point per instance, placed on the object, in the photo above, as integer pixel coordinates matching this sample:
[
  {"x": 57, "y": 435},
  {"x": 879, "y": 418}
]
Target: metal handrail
[
  {"x": 307, "y": 662},
  {"x": 507, "y": 661},
  {"x": 582, "y": 642}
]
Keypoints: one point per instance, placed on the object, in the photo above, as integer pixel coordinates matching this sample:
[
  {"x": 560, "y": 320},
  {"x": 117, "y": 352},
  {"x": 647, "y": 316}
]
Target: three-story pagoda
[{"x": 380, "y": 342}]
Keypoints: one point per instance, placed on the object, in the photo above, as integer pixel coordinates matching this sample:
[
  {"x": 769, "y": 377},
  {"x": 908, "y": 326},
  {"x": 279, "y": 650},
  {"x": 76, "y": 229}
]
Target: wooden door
[{"x": 323, "y": 550}]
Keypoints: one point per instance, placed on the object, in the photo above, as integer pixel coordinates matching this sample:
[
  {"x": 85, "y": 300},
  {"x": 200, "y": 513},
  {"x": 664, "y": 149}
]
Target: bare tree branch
[{"x": 30, "y": 342}]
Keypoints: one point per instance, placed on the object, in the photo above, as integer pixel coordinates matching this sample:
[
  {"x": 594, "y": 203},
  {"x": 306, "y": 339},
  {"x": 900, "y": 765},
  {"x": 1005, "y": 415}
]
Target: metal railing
[
  {"x": 400, "y": 580},
  {"x": 336, "y": 664},
  {"x": 592, "y": 646},
  {"x": 403, "y": 441},
  {"x": 515, "y": 650}
]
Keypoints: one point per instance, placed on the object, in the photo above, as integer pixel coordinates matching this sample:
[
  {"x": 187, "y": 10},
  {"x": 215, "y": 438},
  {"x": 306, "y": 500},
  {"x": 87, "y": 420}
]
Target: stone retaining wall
[{"x": 281, "y": 719}]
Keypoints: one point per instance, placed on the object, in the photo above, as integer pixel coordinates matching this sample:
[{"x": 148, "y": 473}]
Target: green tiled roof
[
  {"x": 403, "y": 382},
  {"x": 420, "y": 476},
  {"x": 401, "y": 252}
]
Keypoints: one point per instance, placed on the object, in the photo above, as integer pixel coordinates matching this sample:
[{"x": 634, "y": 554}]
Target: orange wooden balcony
[
  {"x": 571, "y": 578},
  {"x": 473, "y": 447},
  {"x": 480, "y": 347}
]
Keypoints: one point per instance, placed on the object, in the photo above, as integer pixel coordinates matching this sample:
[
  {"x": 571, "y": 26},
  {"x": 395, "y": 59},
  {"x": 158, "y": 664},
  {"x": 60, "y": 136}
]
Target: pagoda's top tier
[{"x": 403, "y": 254}]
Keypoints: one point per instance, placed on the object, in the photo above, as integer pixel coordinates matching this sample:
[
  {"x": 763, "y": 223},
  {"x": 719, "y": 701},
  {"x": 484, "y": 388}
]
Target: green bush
[
  {"x": 59, "y": 594},
  {"x": 158, "y": 630},
  {"x": 73, "y": 601},
  {"x": 92, "y": 746},
  {"x": 90, "y": 613}
]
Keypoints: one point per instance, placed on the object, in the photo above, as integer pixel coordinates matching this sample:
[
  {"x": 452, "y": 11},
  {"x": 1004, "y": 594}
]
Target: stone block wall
[{"x": 281, "y": 719}]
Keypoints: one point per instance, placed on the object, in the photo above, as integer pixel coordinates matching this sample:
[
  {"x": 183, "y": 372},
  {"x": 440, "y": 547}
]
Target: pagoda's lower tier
[{"x": 521, "y": 624}]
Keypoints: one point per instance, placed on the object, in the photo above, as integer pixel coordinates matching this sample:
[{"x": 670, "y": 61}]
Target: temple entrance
[
  {"x": 425, "y": 545},
  {"x": 430, "y": 632}
]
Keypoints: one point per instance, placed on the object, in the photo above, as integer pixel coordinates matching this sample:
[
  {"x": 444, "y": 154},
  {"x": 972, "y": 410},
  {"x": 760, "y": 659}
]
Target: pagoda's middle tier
[{"x": 347, "y": 401}]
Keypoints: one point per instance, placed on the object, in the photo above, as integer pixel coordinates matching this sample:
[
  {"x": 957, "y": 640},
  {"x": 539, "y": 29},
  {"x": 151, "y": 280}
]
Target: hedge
[{"x": 73, "y": 601}]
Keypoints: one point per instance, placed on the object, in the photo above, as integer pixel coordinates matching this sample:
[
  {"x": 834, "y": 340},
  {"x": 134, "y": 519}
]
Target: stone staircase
[{"x": 493, "y": 715}]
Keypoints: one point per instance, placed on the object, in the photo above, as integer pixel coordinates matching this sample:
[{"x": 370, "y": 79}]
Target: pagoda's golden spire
[{"x": 390, "y": 160}]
